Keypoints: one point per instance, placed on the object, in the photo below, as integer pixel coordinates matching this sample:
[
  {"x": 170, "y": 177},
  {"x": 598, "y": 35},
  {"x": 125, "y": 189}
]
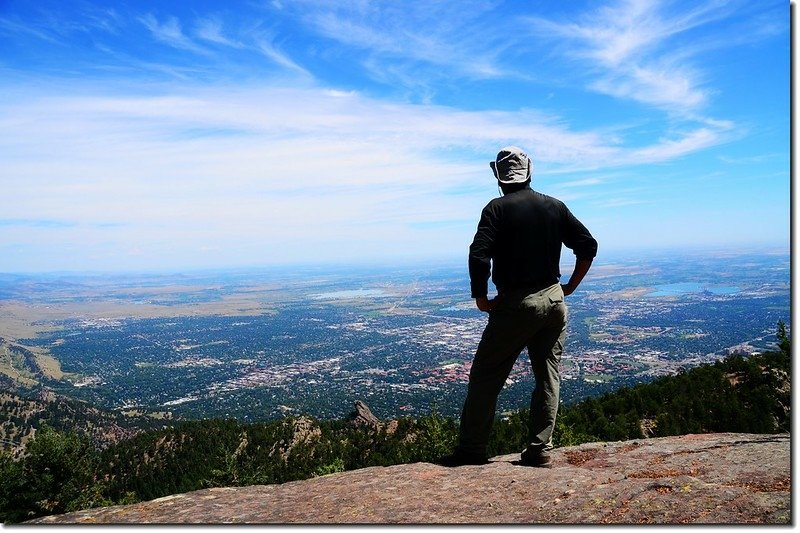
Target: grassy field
[
  {"x": 48, "y": 364},
  {"x": 13, "y": 365}
]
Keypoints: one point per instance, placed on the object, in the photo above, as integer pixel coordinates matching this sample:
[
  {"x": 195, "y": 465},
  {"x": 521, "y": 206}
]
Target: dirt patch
[
  {"x": 783, "y": 484},
  {"x": 661, "y": 489},
  {"x": 665, "y": 472},
  {"x": 579, "y": 457}
]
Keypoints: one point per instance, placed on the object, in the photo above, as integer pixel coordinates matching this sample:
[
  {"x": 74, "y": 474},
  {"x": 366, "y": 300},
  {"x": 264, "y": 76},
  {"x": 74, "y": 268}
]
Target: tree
[
  {"x": 13, "y": 504},
  {"x": 56, "y": 475},
  {"x": 437, "y": 436}
]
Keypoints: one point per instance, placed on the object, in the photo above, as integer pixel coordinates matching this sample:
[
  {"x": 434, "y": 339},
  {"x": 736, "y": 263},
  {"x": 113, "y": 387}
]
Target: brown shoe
[{"x": 538, "y": 459}]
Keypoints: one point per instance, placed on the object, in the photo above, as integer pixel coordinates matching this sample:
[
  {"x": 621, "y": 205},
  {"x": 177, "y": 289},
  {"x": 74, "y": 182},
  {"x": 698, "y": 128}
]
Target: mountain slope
[{"x": 22, "y": 415}]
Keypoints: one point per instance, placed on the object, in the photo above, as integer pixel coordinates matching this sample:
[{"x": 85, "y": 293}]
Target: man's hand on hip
[
  {"x": 582, "y": 266},
  {"x": 485, "y": 304}
]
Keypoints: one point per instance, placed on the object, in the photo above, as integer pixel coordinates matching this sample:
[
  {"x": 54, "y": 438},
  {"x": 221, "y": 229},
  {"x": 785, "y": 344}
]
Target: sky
[{"x": 172, "y": 135}]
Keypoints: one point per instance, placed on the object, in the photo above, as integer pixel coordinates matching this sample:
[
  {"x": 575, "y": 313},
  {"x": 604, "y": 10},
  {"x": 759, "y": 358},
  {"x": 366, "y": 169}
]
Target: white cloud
[
  {"x": 667, "y": 149},
  {"x": 401, "y": 39},
  {"x": 632, "y": 49},
  {"x": 210, "y": 29},
  {"x": 269, "y": 51},
  {"x": 581, "y": 183},
  {"x": 14, "y": 26},
  {"x": 274, "y": 163},
  {"x": 171, "y": 34},
  {"x": 656, "y": 85}
]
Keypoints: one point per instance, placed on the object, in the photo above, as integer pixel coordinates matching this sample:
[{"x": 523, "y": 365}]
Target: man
[{"x": 519, "y": 241}]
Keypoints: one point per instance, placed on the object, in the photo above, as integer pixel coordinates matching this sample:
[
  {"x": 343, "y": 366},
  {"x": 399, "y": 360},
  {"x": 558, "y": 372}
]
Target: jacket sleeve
[
  {"x": 577, "y": 238},
  {"x": 480, "y": 253}
]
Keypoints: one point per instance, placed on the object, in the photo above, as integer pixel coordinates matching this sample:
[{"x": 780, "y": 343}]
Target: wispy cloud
[
  {"x": 687, "y": 143},
  {"x": 410, "y": 36},
  {"x": 271, "y": 52},
  {"x": 338, "y": 159},
  {"x": 667, "y": 85},
  {"x": 630, "y": 49},
  {"x": 752, "y": 160},
  {"x": 581, "y": 183},
  {"x": 170, "y": 33},
  {"x": 208, "y": 35},
  {"x": 106, "y": 19},
  {"x": 211, "y": 30},
  {"x": 12, "y": 27}
]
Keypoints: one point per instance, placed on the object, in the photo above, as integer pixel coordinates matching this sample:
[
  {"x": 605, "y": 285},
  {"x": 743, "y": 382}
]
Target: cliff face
[{"x": 705, "y": 479}]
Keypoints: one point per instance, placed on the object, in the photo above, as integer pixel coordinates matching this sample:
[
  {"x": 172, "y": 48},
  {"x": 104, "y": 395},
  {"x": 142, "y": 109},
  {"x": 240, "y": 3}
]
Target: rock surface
[
  {"x": 701, "y": 479},
  {"x": 362, "y": 416}
]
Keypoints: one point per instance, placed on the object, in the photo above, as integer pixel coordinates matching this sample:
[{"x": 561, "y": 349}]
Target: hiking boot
[
  {"x": 535, "y": 458},
  {"x": 461, "y": 458}
]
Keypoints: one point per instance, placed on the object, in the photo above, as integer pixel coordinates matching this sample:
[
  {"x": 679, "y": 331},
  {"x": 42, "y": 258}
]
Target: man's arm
[
  {"x": 480, "y": 259},
  {"x": 581, "y": 268},
  {"x": 485, "y": 304},
  {"x": 580, "y": 241}
]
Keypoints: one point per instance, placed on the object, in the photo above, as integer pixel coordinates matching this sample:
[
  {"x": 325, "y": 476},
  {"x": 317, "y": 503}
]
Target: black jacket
[{"x": 521, "y": 233}]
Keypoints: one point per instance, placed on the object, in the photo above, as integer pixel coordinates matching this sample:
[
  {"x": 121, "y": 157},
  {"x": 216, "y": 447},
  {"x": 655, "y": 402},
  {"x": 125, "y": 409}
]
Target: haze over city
[{"x": 172, "y": 135}]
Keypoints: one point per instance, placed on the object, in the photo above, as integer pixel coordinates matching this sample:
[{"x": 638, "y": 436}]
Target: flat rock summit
[{"x": 725, "y": 478}]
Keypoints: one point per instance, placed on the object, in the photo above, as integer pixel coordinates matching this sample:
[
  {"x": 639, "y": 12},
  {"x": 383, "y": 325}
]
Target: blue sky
[{"x": 173, "y": 134}]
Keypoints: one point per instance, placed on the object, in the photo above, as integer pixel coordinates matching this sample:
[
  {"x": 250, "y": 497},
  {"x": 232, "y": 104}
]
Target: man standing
[{"x": 519, "y": 241}]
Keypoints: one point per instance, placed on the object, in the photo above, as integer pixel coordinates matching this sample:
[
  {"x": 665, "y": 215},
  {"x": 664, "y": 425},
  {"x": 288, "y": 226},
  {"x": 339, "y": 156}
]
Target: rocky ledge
[{"x": 692, "y": 479}]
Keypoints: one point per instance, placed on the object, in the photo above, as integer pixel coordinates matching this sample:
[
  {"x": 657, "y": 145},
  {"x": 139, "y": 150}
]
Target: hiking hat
[{"x": 512, "y": 165}]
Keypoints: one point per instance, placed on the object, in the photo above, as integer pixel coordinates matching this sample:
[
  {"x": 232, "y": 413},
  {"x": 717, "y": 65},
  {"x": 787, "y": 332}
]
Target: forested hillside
[
  {"x": 63, "y": 471},
  {"x": 24, "y": 413}
]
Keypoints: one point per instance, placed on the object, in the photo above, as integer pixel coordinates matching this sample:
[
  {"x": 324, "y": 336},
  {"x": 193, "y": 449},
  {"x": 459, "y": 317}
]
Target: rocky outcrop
[
  {"x": 362, "y": 416},
  {"x": 303, "y": 429},
  {"x": 693, "y": 479}
]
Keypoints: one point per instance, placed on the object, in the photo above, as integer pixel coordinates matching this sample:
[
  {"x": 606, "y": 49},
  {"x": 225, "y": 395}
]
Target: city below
[{"x": 258, "y": 345}]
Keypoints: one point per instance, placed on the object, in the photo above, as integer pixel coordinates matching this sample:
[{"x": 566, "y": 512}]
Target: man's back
[{"x": 522, "y": 233}]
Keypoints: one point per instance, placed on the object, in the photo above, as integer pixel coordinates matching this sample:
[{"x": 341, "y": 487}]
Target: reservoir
[
  {"x": 689, "y": 287},
  {"x": 347, "y": 294}
]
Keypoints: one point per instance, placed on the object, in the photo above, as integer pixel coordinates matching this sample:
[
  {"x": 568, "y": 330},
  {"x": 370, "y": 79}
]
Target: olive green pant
[{"x": 536, "y": 321}]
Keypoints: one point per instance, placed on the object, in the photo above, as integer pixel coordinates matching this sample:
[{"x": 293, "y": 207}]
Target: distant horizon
[{"x": 610, "y": 257}]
